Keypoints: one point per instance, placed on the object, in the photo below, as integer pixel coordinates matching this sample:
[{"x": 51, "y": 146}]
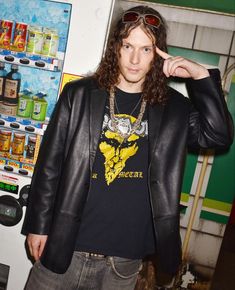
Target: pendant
[{"x": 124, "y": 126}]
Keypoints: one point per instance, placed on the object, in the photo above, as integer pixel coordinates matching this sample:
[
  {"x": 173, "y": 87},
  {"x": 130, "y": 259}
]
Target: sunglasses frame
[{"x": 143, "y": 16}]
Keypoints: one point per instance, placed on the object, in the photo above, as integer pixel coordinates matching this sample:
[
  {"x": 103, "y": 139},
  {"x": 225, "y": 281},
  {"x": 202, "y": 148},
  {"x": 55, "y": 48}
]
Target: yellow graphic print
[{"x": 117, "y": 151}]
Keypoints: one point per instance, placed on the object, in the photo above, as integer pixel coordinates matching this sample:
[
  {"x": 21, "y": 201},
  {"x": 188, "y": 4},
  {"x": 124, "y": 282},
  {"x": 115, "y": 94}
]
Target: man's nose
[{"x": 135, "y": 57}]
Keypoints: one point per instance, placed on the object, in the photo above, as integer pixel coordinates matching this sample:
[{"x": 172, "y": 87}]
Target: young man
[{"x": 105, "y": 192}]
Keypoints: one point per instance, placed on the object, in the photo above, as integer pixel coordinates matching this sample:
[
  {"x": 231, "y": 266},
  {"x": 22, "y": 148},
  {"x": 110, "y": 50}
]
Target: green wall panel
[
  {"x": 198, "y": 56},
  {"x": 225, "y": 6},
  {"x": 214, "y": 217}
]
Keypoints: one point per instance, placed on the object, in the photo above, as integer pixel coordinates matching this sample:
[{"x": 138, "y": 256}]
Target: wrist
[{"x": 204, "y": 73}]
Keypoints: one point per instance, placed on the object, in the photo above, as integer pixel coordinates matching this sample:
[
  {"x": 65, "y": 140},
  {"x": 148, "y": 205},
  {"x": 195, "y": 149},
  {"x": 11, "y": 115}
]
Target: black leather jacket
[{"x": 61, "y": 179}]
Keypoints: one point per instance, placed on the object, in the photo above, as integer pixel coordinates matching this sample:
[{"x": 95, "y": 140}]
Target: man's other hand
[
  {"x": 36, "y": 245},
  {"x": 178, "y": 66}
]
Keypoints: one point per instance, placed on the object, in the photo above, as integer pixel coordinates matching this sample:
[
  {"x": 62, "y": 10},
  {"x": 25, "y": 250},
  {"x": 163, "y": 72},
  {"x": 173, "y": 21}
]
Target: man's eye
[
  {"x": 147, "y": 49},
  {"x": 126, "y": 46}
]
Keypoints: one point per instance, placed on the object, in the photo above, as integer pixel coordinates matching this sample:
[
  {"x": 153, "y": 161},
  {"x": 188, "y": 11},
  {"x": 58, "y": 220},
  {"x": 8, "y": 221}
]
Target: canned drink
[
  {"x": 35, "y": 40},
  {"x": 30, "y": 148},
  {"x": 50, "y": 42},
  {"x": 20, "y": 36},
  {"x": 18, "y": 144},
  {"x": 6, "y": 27},
  {"x": 5, "y": 140}
]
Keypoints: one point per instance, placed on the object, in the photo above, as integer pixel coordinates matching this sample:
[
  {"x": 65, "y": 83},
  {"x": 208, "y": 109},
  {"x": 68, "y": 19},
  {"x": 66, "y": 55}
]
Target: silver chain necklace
[{"x": 116, "y": 122}]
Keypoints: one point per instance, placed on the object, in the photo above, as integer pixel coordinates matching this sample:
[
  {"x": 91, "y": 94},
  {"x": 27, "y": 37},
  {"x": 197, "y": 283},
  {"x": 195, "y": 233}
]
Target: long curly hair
[{"x": 154, "y": 87}]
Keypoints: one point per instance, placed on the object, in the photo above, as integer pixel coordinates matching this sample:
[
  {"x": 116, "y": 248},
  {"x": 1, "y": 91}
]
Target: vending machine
[{"x": 43, "y": 45}]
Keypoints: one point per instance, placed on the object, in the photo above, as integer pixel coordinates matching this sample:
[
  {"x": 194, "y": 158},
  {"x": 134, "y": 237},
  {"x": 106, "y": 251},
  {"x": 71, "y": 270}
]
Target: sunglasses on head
[{"x": 149, "y": 19}]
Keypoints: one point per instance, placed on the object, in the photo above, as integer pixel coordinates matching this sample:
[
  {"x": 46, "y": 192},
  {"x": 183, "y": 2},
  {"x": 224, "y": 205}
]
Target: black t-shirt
[{"x": 117, "y": 217}]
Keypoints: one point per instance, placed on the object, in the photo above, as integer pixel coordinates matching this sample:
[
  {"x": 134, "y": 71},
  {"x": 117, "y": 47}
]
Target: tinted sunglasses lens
[
  {"x": 130, "y": 17},
  {"x": 152, "y": 20}
]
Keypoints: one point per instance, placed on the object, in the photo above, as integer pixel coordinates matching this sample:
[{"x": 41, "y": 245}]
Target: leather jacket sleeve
[
  {"x": 210, "y": 123},
  {"x": 48, "y": 169}
]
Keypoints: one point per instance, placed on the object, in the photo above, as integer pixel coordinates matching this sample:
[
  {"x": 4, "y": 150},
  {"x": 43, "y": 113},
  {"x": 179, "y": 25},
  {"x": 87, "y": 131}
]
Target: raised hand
[{"x": 178, "y": 66}]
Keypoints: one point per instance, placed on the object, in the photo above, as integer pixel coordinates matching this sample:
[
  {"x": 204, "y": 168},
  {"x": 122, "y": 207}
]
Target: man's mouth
[{"x": 133, "y": 70}]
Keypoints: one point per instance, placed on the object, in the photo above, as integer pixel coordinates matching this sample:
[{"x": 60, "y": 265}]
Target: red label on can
[
  {"x": 6, "y": 27},
  {"x": 20, "y": 36}
]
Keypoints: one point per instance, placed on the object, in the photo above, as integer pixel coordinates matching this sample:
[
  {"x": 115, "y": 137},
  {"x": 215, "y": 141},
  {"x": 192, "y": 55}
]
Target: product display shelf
[
  {"x": 32, "y": 60},
  {"x": 22, "y": 124}
]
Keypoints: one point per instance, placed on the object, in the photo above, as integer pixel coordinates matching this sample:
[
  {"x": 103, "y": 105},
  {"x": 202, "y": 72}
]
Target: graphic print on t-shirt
[{"x": 115, "y": 149}]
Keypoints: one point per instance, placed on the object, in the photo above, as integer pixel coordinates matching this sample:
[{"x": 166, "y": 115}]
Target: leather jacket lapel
[
  {"x": 155, "y": 118},
  {"x": 97, "y": 106}
]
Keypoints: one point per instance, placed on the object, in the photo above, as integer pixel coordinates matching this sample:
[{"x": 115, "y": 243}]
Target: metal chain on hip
[{"x": 115, "y": 121}]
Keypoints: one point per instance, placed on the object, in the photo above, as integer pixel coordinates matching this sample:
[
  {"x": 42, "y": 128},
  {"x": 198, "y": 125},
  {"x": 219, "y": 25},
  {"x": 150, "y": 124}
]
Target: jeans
[{"x": 87, "y": 273}]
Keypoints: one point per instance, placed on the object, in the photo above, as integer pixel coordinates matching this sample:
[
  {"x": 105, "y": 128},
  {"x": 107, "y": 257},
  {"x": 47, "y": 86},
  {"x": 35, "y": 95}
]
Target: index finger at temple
[{"x": 163, "y": 54}]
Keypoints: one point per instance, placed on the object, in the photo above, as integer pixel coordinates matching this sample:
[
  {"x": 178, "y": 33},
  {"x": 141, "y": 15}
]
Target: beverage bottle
[
  {"x": 25, "y": 104},
  {"x": 3, "y": 74},
  {"x": 12, "y": 86},
  {"x": 39, "y": 107}
]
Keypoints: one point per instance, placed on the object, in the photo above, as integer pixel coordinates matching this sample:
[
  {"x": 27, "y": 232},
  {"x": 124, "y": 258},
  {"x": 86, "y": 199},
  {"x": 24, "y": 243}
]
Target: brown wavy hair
[{"x": 107, "y": 74}]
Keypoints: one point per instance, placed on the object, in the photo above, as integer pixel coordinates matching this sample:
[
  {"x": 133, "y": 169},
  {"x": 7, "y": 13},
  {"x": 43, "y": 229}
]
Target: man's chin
[{"x": 133, "y": 80}]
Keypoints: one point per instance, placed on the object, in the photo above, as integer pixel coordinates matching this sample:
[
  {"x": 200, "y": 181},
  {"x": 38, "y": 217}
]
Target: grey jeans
[{"x": 87, "y": 273}]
